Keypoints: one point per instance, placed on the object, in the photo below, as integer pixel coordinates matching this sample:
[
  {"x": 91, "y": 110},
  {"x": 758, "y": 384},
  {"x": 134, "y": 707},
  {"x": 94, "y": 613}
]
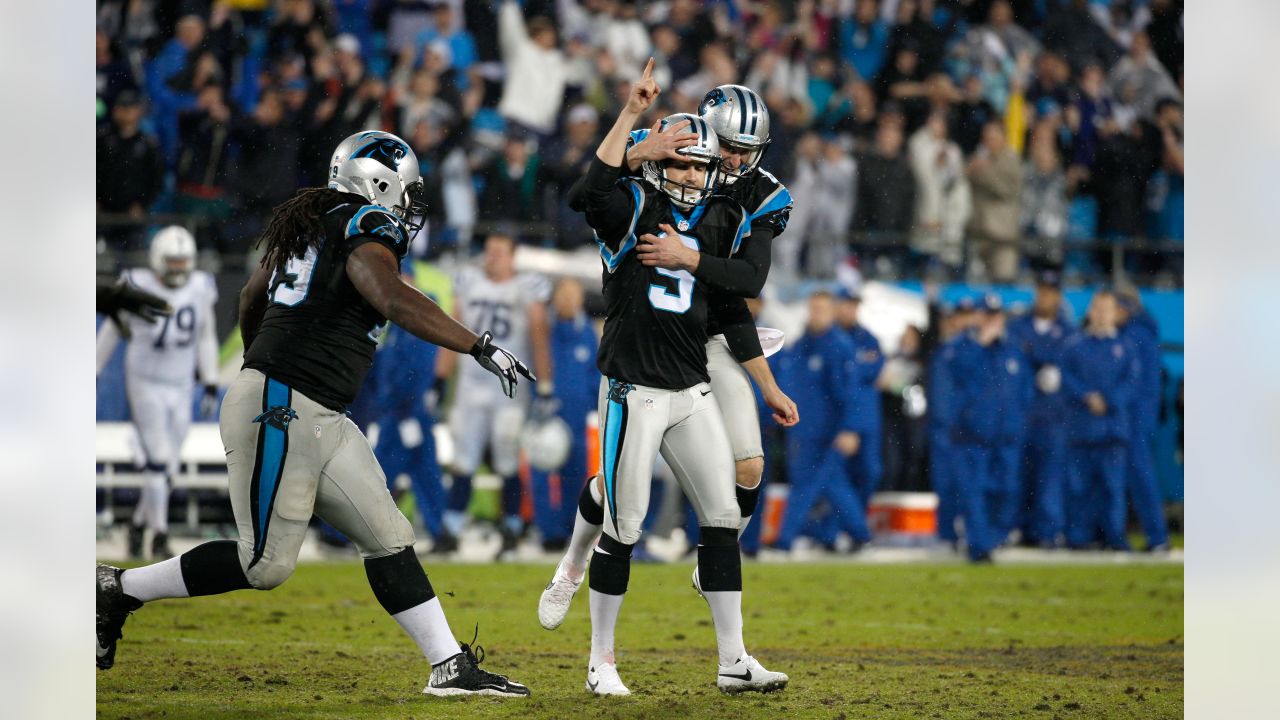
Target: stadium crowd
[{"x": 954, "y": 136}]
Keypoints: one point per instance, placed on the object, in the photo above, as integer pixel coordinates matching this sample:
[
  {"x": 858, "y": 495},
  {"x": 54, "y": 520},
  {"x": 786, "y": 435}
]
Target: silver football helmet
[
  {"x": 705, "y": 151},
  {"x": 547, "y": 443},
  {"x": 382, "y": 168},
  {"x": 738, "y": 116},
  {"x": 172, "y": 255}
]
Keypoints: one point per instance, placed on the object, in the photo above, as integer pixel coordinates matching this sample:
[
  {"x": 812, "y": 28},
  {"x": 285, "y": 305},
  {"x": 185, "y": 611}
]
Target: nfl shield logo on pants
[{"x": 317, "y": 429}]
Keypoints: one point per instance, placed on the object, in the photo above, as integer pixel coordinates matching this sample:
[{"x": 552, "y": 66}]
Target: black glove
[
  {"x": 545, "y": 404},
  {"x": 500, "y": 363},
  {"x": 434, "y": 397},
  {"x": 119, "y": 296},
  {"x": 209, "y": 402}
]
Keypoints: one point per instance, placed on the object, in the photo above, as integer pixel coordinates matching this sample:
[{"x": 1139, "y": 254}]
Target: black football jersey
[
  {"x": 318, "y": 334},
  {"x": 655, "y": 330}
]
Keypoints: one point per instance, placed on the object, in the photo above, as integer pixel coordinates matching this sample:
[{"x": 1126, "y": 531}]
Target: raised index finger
[{"x": 648, "y": 70}]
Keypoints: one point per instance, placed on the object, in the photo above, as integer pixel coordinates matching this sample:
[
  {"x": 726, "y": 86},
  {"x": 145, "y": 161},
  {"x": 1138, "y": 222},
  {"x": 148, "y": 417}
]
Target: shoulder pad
[{"x": 376, "y": 220}]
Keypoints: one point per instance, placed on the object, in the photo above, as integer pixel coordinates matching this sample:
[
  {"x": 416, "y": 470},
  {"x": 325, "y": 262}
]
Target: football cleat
[
  {"x": 603, "y": 680},
  {"x": 697, "y": 584},
  {"x": 461, "y": 675},
  {"x": 113, "y": 609},
  {"x": 160, "y": 547},
  {"x": 748, "y": 675},
  {"x": 135, "y": 542},
  {"x": 553, "y": 606}
]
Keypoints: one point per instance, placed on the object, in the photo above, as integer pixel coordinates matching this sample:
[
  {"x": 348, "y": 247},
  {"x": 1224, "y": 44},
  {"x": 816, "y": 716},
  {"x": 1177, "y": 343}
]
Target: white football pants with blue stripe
[
  {"x": 289, "y": 457},
  {"x": 637, "y": 423}
]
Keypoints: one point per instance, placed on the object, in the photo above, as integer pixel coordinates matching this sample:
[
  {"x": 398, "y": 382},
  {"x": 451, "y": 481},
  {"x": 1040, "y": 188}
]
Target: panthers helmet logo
[
  {"x": 385, "y": 150},
  {"x": 713, "y": 98}
]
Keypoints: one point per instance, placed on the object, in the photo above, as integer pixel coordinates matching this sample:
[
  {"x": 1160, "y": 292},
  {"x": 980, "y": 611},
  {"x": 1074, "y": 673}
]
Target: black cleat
[
  {"x": 461, "y": 675},
  {"x": 135, "y": 542},
  {"x": 510, "y": 543},
  {"x": 160, "y": 547},
  {"x": 113, "y": 609},
  {"x": 446, "y": 543}
]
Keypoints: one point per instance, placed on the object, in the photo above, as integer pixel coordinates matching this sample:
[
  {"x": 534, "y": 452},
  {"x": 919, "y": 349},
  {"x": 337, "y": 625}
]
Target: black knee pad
[
  {"x": 592, "y": 511},
  {"x": 611, "y": 569},
  {"x": 398, "y": 581},
  {"x": 719, "y": 562},
  {"x": 213, "y": 568},
  {"x": 748, "y": 498}
]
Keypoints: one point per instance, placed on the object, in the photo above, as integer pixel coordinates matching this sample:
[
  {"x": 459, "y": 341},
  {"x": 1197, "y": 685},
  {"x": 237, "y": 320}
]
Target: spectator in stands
[
  {"x": 166, "y": 99},
  {"x": 1166, "y": 198},
  {"x": 943, "y": 201},
  {"x": 300, "y": 27},
  {"x": 114, "y": 73},
  {"x": 567, "y": 158},
  {"x": 1122, "y": 166},
  {"x": 864, "y": 40},
  {"x": 990, "y": 390},
  {"x": 1140, "y": 75},
  {"x": 1044, "y": 196},
  {"x": 202, "y": 178},
  {"x": 903, "y": 81},
  {"x": 866, "y": 464},
  {"x": 444, "y": 29},
  {"x": 1100, "y": 376},
  {"x": 1138, "y": 327},
  {"x": 886, "y": 186},
  {"x": 995, "y": 174},
  {"x": 267, "y": 169},
  {"x": 130, "y": 169},
  {"x": 1165, "y": 31},
  {"x": 535, "y": 70},
  {"x": 451, "y": 192},
  {"x": 513, "y": 182},
  {"x": 1072, "y": 32},
  {"x": 915, "y": 27}
]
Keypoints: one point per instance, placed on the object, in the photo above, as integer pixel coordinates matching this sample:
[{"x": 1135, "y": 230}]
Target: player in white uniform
[
  {"x": 161, "y": 364},
  {"x": 514, "y": 306}
]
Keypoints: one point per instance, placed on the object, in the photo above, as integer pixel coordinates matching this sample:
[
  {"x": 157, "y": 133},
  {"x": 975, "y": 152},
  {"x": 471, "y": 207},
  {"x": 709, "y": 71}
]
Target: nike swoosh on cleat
[
  {"x": 745, "y": 677},
  {"x": 706, "y": 393},
  {"x": 593, "y": 685}
]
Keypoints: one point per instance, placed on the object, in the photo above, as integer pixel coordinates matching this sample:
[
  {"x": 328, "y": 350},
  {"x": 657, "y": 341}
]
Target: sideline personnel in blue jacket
[
  {"x": 1100, "y": 375},
  {"x": 1139, "y": 328},
  {"x": 866, "y": 466}
]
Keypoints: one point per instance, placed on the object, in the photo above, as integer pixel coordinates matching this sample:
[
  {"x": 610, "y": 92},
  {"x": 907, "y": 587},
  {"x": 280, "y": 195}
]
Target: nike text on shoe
[
  {"x": 748, "y": 675},
  {"x": 553, "y": 606},
  {"x": 603, "y": 680},
  {"x": 113, "y": 609},
  {"x": 461, "y": 675}
]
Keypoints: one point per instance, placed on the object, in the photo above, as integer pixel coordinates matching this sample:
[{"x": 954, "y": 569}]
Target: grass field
[{"x": 859, "y": 641}]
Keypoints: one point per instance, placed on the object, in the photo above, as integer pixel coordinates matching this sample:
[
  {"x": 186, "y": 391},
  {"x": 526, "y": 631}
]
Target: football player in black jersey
[
  {"x": 655, "y": 394},
  {"x": 310, "y": 316},
  {"x": 740, "y": 120}
]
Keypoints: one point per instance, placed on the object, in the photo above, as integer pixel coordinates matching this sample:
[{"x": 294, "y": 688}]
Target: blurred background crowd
[{"x": 945, "y": 147}]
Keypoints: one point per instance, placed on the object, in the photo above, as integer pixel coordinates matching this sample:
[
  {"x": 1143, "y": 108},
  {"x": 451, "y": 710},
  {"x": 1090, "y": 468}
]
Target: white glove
[
  {"x": 501, "y": 363},
  {"x": 1049, "y": 379},
  {"x": 410, "y": 433}
]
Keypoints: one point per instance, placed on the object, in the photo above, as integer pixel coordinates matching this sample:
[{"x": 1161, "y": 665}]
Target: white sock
[
  {"x": 726, "y": 613},
  {"x": 155, "y": 496},
  {"x": 155, "y": 582},
  {"x": 604, "y": 619},
  {"x": 583, "y": 540},
  {"x": 428, "y": 627}
]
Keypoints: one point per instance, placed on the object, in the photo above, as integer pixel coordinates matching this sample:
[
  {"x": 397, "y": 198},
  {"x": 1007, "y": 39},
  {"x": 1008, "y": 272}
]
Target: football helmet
[
  {"x": 706, "y": 151},
  {"x": 382, "y": 168},
  {"x": 546, "y": 443},
  {"x": 738, "y": 116},
  {"x": 173, "y": 255}
]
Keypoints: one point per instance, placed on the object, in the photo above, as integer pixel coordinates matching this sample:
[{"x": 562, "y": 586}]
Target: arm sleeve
[
  {"x": 512, "y": 35},
  {"x": 744, "y": 273},
  {"x": 108, "y": 338},
  {"x": 739, "y": 328},
  {"x": 612, "y": 209}
]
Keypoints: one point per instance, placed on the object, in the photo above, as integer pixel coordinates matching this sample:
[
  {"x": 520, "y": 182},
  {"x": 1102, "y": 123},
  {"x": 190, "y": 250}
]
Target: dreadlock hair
[{"x": 295, "y": 225}]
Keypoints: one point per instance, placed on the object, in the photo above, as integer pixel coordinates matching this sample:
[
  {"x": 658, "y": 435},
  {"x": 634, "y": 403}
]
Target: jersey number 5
[
  {"x": 290, "y": 288},
  {"x": 679, "y": 301}
]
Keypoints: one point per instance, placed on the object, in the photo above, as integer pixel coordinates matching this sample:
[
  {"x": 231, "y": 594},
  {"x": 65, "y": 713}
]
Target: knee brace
[
  {"x": 398, "y": 581},
  {"x": 610, "y": 567},
  {"x": 719, "y": 562},
  {"x": 213, "y": 568},
  {"x": 592, "y": 511}
]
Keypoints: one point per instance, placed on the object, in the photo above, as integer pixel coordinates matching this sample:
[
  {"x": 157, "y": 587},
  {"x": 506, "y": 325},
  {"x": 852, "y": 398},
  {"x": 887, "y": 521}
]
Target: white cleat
[
  {"x": 603, "y": 680},
  {"x": 748, "y": 675},
  {"x": 553, "y": 606},
  {"x": 697, "y": 583}
]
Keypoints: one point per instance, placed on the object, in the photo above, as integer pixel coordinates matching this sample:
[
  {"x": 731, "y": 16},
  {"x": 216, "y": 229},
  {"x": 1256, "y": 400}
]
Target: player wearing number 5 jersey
[
  {"x": 161, "y": 364},
  {"x": 655, "y": 395},
  {"x": 310, "y": 314},
  {"x": 514, "y": 308}
]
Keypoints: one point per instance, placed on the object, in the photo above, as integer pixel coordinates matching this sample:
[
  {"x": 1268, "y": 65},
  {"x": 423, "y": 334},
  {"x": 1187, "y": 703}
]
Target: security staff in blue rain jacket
[
  {"x": 1041, "y": 335},
  {"x": 991, "y": 390},
  {"x": 1139, "y": 328},
  {"x": 1100, "y": 377},
  {"x": 942, "y": 456},
  {"x": 405, "y": 400},
  {"x": 818, "y": 370},
  {"x": 866, "y": 466},
  {"x": 573, "y": 356}
]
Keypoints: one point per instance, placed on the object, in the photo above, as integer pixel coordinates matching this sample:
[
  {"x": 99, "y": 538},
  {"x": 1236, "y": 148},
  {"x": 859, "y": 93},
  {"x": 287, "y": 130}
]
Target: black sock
[
  {"x": 398, "y": 581},
  {"x": 213, "y": 568},
  {"x": 719, "y": 562}
]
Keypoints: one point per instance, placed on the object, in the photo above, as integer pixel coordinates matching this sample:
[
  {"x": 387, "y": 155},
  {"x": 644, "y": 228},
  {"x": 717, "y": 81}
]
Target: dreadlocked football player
[
  {"x": 655, "y": 395},
  {"x": 310, "y": 314},
  {"x": 740, "y": 120}
]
